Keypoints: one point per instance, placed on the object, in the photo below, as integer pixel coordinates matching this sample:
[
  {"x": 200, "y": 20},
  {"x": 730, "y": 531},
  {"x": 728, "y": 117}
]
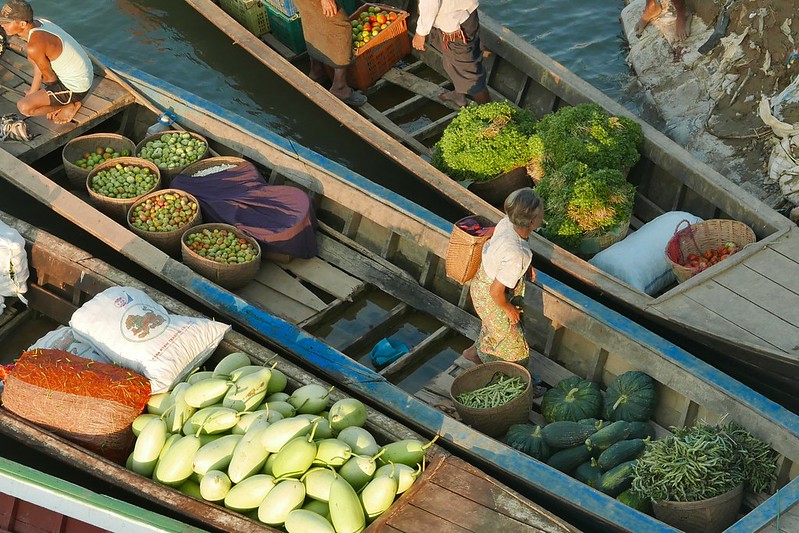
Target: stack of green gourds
[{"x": 234, "y": 437}]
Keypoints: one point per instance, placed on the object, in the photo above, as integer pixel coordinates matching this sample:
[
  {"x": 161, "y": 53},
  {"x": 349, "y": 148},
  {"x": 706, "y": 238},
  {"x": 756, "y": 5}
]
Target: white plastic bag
[
  {"x": 640, "y": 259},
  {"x": 137, "y": 333},
  {"x": 64, "y": 339},
  {"x": 13, "y": 263}
]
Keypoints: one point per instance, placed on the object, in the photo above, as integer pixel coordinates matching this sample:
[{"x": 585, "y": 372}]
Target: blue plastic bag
[{"x": 386, "y": 352}]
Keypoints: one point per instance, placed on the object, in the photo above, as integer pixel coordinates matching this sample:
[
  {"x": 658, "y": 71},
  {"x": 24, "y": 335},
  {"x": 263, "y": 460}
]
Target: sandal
[{"x": 355, "y": 99}]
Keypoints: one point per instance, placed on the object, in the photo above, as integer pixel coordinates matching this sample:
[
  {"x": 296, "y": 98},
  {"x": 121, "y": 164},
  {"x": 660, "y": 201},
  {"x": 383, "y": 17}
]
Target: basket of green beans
[{"x": 493, "y": 396}]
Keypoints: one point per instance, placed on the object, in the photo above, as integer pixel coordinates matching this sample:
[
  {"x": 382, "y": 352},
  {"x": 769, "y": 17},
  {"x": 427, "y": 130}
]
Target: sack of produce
[
  {"x": 137, "y": 333},
  {"x": 88, "y": 402},
  {"x": 14, "y": 261},
  {"x": 64, "y": 339}
]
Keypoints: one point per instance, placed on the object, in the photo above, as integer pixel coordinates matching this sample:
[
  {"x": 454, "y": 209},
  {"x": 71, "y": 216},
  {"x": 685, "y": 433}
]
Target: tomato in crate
[{"x": 379, "y": 39}]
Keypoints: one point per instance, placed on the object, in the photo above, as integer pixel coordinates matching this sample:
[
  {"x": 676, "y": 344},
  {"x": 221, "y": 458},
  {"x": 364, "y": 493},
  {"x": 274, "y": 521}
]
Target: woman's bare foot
[
  {"x": 470, "y": 354},
  {"x": 683, "y": 26},
  {"x": 652, "y": 11},
  {"x": 65, "y": 114},
  {"x": 456, "y": 98}
]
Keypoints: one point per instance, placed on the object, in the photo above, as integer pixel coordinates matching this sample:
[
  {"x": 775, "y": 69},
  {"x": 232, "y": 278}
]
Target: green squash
[
  {"x": 527, "y": 438},
  {"x": 572, "y": 399},
  {"x": 639, "y": 503},
  {"x": 630, "y": 397}
]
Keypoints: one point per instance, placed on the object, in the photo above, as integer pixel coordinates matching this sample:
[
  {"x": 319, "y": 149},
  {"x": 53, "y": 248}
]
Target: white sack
[
  {"x": 13, "y": 263},
  {"x": 137, "y": 333},
  {"x": 640, "y": 259},
  {"x": 64, "y": 339}
]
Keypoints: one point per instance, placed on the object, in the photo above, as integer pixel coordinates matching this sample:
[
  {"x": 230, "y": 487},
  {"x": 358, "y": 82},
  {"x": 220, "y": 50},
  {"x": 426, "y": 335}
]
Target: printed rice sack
[
  {"x": 88, "y": 402},
  {"x": 64, "y": 339},
  {"x": 13, "y": 263},
  {"x": 137, "y": 333}
]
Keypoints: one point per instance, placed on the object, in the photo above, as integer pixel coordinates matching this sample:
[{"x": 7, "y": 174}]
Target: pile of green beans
[
  {"x": 500, "y": 390},
  {"x": 701, "y": 462}
]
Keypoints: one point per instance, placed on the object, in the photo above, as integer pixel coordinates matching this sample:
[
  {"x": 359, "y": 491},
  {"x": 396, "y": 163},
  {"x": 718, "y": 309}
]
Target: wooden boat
[
  {"x": 31, "y": 500},
  {"x": 378, "y": 247},
  {"x": 744, "y": 309},
  {"x": 62, "y": 276}
]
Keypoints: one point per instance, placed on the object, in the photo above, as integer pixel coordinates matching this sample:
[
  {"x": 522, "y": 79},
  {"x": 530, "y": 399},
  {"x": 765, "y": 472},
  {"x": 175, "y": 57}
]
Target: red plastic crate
[{"x": 381, "y": 53}]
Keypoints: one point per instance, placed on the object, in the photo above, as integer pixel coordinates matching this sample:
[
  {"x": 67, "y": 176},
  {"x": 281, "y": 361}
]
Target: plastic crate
[
  {"x": 249, "y": 13},
  {"x": 286, "y": 7},
  {"x": 287, "y": 30},
  {"x": 382, "y": 52}
]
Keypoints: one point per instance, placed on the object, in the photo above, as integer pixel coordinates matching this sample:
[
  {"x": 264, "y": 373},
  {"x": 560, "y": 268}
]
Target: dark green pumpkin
[
  {"x": 630, "y": 397},
  {"x": 572, "y": 399},
  {"x": 588, "y": 472},
  {"x": 527, "y": 438}
]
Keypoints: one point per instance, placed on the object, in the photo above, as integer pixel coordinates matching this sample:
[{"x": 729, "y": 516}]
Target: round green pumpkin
[
  {"x": 572, "y": 399},
  {"x": 630, "y": 397}
]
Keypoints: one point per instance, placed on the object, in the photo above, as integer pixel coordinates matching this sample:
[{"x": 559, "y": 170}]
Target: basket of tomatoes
[{"x": 697, "y": 247}]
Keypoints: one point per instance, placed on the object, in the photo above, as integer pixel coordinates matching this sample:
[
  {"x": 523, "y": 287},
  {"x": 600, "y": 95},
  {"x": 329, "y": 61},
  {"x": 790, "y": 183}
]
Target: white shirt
[
  {"x": 446, "y": 15},
  {"x": 506, "y": 256}
]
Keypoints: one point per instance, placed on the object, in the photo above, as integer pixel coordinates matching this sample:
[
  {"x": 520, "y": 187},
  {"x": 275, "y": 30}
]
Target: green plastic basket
[
  {"x": 249, "y": 13},
  {"x": 286, "y": 30}
]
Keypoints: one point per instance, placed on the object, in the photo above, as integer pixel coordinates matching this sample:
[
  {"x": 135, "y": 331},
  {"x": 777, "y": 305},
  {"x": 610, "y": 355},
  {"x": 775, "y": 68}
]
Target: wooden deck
[{"x": 105, "y": 99}]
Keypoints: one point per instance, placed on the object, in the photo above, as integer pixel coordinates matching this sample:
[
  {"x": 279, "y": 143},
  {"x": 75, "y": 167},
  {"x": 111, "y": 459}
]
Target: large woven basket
[
  {"x": 464, "y": 252},
  {"x": 494, "y": 421},
  {"x": 700, "y": 237},
  {"x": 209, "y": 162},
  {"x": 168, "y": 173},
  {"x": 117, "y": 208},
  {"x": 168, "y": 241},
  {"x": 78, "y": 146},
  {"x": 231, "y": 276},
  {"x": 713, "y": 515}
]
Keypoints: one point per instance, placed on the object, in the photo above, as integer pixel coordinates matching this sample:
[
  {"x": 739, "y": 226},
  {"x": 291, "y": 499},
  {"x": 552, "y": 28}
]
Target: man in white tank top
[{"x": 62, "y": 71}]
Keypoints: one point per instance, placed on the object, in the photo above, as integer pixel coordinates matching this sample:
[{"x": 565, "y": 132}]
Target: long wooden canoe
[
  {"x": 384, "y": 254},
  {"x": 450, "y": 493},
  {"x": 31, "y": 500},
  {"x": 745, "y": 308}
]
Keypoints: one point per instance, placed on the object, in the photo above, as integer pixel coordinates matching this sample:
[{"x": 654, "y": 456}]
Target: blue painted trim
[
  {"x": 771, "y": 509},
  {"x": 359, "y": 378},
  {"x": 280, "y": 142}
]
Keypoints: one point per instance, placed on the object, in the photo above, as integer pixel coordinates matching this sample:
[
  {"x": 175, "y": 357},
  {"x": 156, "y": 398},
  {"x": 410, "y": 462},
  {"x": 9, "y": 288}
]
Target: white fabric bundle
[
  {"x": 640, "y": 259},
  {"x": 64, "y": 339},
  {"x": 13, "y": 263},
  {"x": 137, "y": 333}
]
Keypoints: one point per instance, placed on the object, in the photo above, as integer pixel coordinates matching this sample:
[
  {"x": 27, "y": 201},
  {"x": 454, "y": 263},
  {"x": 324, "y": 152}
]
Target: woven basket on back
[
  {"x": 117, "y": 208},
  {"x": 700, "y": 237},
  {"x": 209, "y": 162},
  {"x": 713, "y": 515},
  {"x": 74, "y": 150},
  {"x": 464, "y": 252},
  {"x": 168, "y": 173},
  {"x": 230, "y": 276},
  {"x": 168, "y": 241},
  {"x": 496, "y": 420}
]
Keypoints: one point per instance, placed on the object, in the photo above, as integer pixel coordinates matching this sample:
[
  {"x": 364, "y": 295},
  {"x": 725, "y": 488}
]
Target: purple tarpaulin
[{"x": 279, "y": 217}]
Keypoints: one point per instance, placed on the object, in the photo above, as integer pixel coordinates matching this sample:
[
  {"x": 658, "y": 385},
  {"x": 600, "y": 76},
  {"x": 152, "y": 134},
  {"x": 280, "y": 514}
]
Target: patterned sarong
[{"x": 499, "y": 340}]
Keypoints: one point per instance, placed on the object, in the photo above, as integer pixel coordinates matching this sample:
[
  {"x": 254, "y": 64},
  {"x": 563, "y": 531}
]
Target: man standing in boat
[
  {"x": 453, "y": 27},
  {"x": 62, "y": 71}
]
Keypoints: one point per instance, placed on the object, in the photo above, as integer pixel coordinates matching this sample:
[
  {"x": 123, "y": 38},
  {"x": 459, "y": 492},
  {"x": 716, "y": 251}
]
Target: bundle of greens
[
  {"x": 581, "y": 202},
  {"x": 702, "y": 462},
  {"x": 586, "y": 133},
  {"x": 484, "y": 141}
]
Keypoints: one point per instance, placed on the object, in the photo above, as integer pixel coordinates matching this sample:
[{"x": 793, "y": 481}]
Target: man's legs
[
  {"x": 38, "y": 104},
  {"x": 653, "y": 10}
]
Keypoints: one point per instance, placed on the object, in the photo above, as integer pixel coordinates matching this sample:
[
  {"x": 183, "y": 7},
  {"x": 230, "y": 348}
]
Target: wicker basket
[
  {"x": 700, "y": 237},
  {"x": 594, "y": 245},
  {"x": 713, "y": 515},
  {"x": 117, "y": 208},
  {"x": 168, "y": 241},
  {"x": 78, "y": 146},
  {"x": 494, "y": 421},
  {"x": 209, "y": 162},
  {"x": 168, "y": 173},
  {"x": 229, "y": 276},
  {"x": 464, "y": 252}
]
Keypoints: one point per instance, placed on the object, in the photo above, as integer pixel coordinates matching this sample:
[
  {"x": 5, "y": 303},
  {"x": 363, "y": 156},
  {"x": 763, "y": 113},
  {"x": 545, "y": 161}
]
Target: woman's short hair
[{"x": 521, "y": 206}]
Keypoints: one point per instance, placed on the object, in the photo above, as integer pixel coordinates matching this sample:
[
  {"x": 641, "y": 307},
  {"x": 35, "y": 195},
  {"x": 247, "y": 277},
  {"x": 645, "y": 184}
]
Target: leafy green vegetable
[
  {"x": 579, "y": 202},
  {"x": 586, "y": 133},
  {"x": 484, "y": 141}
]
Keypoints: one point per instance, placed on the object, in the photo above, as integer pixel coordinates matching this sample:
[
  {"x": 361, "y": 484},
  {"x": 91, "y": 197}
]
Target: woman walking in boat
[
  {"x": 62, "y": 71},
  {"x": 505, "y": 261}
]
